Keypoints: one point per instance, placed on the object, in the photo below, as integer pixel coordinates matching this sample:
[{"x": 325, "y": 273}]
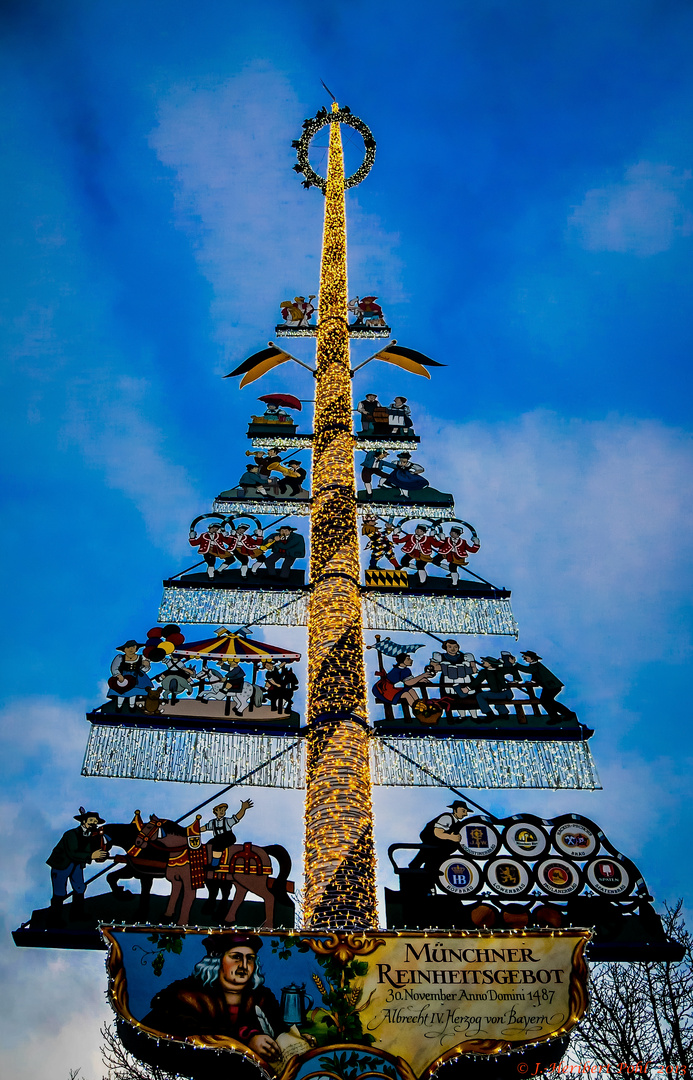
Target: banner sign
[{"x": 287, "y": 1000}]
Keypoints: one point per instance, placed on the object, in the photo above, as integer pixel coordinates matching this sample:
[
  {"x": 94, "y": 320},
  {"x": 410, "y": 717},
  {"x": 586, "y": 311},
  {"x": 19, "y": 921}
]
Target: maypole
[
  {"x": 339, "y": 851},
  {"x": 205, "y": 985}
]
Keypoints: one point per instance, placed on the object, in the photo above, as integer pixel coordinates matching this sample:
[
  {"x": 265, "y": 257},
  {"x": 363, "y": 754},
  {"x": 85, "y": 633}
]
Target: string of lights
[
  {"x": 311, "y": 127},
  {"x": 282, "y": 442},
  {"x": 193, "y": 757},
  {"x": 340, "y": 855},
  {"x": 444, "y": 615},
  {"x": 483, "y": 763},
  {"x": 295, "y": 507},
  {"x": 240, "y": 606}
]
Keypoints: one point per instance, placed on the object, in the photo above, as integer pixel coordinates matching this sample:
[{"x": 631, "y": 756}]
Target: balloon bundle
[{"x": 161, "y": 641}]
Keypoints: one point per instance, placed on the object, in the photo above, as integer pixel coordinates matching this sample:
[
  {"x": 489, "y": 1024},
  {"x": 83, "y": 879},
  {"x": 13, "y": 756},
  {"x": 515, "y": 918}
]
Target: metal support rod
[
  {"x": 294, "y": 358},
  {"x": 373, "y": 357},
  {"x": 439, "y": 779},
  {"x": 441, "y": 641}
]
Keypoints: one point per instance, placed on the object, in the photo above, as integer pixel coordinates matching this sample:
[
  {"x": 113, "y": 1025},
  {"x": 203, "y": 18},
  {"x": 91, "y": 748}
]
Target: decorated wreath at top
[{"x": 315, "y": 124}]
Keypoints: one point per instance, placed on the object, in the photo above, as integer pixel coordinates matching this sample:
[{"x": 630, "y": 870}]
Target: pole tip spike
[{"x": 334, "y": 99}]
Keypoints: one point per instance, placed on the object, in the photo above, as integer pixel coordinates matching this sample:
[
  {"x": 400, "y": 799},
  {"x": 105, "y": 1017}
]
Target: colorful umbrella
[
  {"x": 227, "y": 645},
  {"x": 287, "y": 400}
]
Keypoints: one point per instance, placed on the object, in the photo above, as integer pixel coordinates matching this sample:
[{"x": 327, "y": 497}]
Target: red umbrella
[{"x": 287, "y": 400}]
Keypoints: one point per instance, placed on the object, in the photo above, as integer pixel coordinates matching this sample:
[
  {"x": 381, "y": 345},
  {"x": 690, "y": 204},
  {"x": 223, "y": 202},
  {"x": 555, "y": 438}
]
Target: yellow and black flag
[
  {"x": 260, "y": 362},
  {"x": 409, "y": 359}
]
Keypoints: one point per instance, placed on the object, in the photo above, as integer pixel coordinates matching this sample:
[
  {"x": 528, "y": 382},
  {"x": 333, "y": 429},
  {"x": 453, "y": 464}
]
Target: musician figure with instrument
[
  {"x": 214, "y": 543},
  {"x": 288, "y": 545},
  {"x": 129, "y": 679}
]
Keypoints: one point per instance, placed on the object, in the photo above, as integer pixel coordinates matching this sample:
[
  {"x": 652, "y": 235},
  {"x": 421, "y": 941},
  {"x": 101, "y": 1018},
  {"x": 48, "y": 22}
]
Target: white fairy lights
[
  {"x": 483, "y": 763},
  {"x": 194, "y": 757}
]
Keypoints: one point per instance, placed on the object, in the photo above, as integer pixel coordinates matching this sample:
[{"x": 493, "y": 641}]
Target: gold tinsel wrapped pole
[{"x": 339, "y": 850}]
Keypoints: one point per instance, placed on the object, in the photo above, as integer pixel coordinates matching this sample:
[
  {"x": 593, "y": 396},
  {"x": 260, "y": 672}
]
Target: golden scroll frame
[{"x": 344, "y": 947}]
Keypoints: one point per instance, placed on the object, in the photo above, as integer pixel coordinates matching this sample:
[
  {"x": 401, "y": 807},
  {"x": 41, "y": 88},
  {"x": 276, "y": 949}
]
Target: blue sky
[{"x": 528, "y": 222}]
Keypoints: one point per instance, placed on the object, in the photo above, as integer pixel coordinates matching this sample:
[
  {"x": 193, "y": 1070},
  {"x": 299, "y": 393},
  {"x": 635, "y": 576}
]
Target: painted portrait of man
[{"x": 224, "y": 995}]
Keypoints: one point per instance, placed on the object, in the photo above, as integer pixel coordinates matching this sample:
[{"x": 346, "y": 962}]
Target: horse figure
[
  {"x": 164, "y": 849},
  {"x": 248, "y": 867},
  {"x": 143, "y": 869},
  {"x": 366, "y": 311}
]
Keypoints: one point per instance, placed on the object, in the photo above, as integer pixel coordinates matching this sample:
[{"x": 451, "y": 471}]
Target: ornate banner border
[{"x": 344, "y": 947}]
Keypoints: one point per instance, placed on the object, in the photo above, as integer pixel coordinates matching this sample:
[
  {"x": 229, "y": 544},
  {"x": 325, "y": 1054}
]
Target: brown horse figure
[
  {"x": 163, "y": 848},
  {"x": 247, "y": 867}
]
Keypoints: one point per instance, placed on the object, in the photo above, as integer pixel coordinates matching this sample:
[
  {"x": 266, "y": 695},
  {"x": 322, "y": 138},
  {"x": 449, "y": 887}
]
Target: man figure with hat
[
  {"x": 293, "y": 477},
  {"x": 224, "y": 995},
  {"x": 457, "y": 669},
  {"x": 370, "y": 467},
  {"x": 221, "y": 827},
  {"x": 455, "y": 549},
  {"x": 287, "y": 545},
  {"x": 550, "y": 686},
  {"x": 248, "y": 546},
  {"x": 417, "y": 547},
  {"x": 379, "y": 541},
  {"x": 75, "y": 849},
  {"x": 366, "y": 408},
  {"x": 215, "y": 543},
  {"x": 493, "y": 676},
  {"x": 252, "y": 484},
  {"x": 441, "y": 837}
]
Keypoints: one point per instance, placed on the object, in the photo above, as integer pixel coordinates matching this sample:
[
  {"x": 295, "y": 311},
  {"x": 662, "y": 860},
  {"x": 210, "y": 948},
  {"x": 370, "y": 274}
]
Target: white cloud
[
  {"x": 257, "y": 232},
  {"x": 641, "y": 215},
  {"x": 106, "y": 419},
  {"x": 588, "y": 522}
]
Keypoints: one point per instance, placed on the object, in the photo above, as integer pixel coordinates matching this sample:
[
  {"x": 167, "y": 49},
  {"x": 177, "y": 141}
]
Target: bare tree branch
[
  {"x": 641, "y": 1014},
  {"x": 121, "y": 1065}
]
